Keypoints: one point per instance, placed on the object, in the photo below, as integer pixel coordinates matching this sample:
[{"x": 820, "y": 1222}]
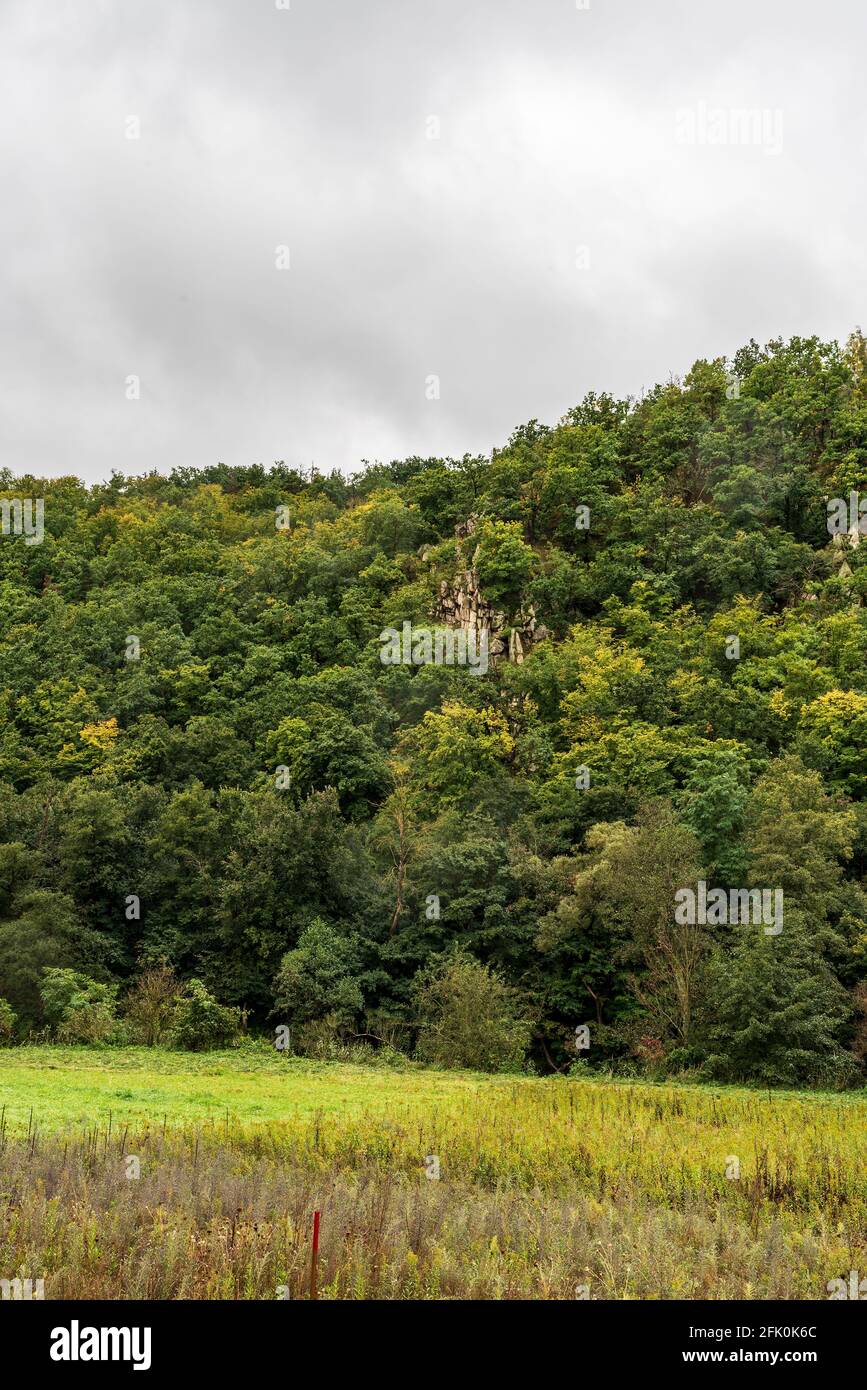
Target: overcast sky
[{"x": 521, "y": 198}]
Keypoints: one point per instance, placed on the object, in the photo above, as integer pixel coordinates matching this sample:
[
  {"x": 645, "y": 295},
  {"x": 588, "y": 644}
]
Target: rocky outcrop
[
  {"x": 839, "y": 545},
  {"x": 460, "y": 604}
]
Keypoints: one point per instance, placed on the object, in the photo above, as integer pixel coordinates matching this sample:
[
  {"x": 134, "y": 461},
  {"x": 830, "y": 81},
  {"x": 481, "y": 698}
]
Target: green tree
[
  {"x": 503, "y": 560},
  {"x": 318, "y": 978},
  {"x": 469, "y": 1017},
  {"x": 779, "y": 1015}
]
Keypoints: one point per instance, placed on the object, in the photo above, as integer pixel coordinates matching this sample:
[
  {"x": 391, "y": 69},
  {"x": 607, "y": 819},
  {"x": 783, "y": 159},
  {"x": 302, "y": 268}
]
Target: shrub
[
  {"x": 8, "y": 1019},
  {"x": 80, "y": 1010},
  {"x": 200, "y": 1022},
  {"x": 469, "y": 1017},
  {"x": 318, "y": 1037},
  {"x": 151, "y": 1003}
]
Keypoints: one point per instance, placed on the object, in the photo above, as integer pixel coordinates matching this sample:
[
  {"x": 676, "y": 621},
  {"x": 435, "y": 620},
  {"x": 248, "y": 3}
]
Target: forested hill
[{"x": 205, "y": 759}]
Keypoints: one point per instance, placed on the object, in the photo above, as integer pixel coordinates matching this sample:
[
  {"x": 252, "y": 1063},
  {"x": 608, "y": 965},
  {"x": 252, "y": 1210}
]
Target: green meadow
[
  {"x": 69, "y": 1087},
  {"x": 58, "y": 1088},
  {"x": 545, "y": 1187}
]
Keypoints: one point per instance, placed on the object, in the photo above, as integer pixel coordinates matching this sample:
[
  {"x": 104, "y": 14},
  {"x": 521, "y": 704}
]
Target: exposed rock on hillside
[{"x": 460, "y": 604}]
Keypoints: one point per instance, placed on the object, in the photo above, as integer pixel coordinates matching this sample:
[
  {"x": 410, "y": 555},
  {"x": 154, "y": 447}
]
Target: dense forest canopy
[{"x": 205, "y": 760}]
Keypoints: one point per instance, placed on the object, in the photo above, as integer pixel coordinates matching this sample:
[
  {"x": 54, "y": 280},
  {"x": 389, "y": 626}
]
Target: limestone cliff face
[
  {"x": 461, "y": 604},
  {"x": 837, "y": 550},
  {"x": 839, "y": 545}
]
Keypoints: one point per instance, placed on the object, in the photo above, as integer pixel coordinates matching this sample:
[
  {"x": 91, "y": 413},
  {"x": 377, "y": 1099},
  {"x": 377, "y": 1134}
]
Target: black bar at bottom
[{"x": 61, "y": 1338}]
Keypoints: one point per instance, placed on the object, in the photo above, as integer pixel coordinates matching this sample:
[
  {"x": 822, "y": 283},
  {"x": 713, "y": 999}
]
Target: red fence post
[{"x": 315, "y": 1260}]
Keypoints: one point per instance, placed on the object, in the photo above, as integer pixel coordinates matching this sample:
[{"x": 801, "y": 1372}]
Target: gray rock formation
[{"x": 461, "y": 604}]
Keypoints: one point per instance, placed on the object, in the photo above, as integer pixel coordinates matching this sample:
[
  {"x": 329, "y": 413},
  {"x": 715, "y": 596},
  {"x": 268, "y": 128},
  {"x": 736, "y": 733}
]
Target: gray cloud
[{"x": 456, "y": 256}]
